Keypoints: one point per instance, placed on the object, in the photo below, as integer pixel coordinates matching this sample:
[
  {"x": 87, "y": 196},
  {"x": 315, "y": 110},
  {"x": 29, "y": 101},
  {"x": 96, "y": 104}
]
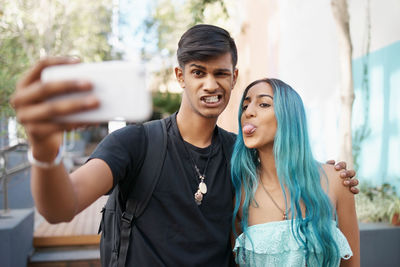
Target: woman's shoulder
[
  {"x": 335, "y": 182},
  {"x": 330, "y": 170},
  {"x": 332, "y": 175}
]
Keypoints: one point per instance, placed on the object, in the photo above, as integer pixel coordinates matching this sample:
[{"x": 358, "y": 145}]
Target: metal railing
[{"x": 6, "y": 173}]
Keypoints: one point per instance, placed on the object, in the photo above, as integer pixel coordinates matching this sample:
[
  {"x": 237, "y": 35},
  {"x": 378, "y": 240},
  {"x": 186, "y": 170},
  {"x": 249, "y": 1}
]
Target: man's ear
[
  {"x": 179, "y": 76},
  {"x": 235, "y": 76}
]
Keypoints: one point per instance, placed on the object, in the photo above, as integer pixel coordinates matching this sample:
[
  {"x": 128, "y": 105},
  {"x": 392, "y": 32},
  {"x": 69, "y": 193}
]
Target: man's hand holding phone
[
  {"x": 118, "y": 85},
  {"x": 48, "y": 107}
]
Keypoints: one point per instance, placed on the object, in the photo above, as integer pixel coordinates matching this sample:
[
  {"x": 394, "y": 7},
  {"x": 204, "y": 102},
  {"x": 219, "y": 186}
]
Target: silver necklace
[
  {"x": 202, "y": 187},
  {"x": 284, "y": 212}
]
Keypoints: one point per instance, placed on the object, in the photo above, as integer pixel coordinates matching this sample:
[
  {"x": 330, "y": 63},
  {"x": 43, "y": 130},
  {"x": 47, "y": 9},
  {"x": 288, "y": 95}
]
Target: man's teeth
[{"x": 211, "y": 99}]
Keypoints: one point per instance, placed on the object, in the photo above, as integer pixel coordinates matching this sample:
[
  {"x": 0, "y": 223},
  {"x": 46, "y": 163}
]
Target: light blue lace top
[{"x": 275, "y": 245}]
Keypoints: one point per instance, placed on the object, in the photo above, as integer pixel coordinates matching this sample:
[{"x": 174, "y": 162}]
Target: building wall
[
  {"x": 296, "y": 41},
  {"x": 380, "y": 150},
  {"x": 256, "y": 52}
]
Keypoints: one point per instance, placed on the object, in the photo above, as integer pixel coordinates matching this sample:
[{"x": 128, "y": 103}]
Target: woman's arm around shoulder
[{"x": 346, "y": 212}]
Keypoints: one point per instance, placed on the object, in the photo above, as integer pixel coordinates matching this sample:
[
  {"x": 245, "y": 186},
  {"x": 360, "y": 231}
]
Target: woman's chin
[{"x": 249, "y": 144}]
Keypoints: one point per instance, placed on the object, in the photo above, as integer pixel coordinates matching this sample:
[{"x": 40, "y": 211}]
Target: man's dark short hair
[{"x": 203, "y": 42}]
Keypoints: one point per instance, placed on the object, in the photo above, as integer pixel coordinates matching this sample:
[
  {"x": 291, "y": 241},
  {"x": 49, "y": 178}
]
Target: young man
[{"x": 188, "y": 219}]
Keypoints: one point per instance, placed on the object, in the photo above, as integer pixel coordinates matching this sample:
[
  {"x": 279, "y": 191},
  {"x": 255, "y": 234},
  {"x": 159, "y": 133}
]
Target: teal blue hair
[{"x": 297, "y": 170}]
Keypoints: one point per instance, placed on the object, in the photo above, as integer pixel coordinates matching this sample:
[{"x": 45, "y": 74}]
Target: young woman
[{"x": 290, "y": 210}]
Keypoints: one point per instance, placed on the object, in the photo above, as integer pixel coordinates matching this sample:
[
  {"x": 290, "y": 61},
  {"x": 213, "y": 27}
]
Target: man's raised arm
[{"x": 58, "y": 195}]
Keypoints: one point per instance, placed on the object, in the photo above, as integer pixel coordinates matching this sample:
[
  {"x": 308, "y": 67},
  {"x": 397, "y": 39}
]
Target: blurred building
[{"x": 296, "y": 41}]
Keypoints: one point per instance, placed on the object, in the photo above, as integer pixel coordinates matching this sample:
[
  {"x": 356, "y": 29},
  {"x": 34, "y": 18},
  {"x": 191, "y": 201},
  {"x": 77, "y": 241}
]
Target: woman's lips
[{"x": 249, "y": 129}]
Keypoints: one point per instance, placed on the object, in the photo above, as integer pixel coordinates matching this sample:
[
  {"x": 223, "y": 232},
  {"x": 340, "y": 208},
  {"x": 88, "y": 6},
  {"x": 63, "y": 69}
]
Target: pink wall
[{"x": 258, "y": 54}]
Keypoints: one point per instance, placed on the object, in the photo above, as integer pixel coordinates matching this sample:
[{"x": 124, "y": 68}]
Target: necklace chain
[
  {"x": 202, "y": 187},
  {"x": 201, "y": 177},
  {"x": 285, "y": 213}
]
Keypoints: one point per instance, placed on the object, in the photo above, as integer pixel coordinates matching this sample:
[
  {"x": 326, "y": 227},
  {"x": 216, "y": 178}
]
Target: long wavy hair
[{"x": 297, "y": 170}]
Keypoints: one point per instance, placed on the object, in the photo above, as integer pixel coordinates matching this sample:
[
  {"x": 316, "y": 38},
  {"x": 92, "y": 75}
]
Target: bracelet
[{"x": 46, "y": 165}]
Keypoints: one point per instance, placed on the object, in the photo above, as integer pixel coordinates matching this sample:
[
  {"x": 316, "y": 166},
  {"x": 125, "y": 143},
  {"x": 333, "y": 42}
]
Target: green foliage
[
  {"x": 30, "y": 30},
  {"x": 169, "y": 19},
  {"x": 377, "y": 203},
  {"x": 165, "y": 25},
  {"x": 197, "y": 8},
  {"x": 9, "y": 73},
  {"x": 166, "y": 103},
  {"x": 394, "y": 207}
]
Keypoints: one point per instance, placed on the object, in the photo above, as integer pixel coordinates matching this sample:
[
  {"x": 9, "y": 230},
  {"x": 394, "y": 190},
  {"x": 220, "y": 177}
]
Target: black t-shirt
[{"x": 174, "y": 230}]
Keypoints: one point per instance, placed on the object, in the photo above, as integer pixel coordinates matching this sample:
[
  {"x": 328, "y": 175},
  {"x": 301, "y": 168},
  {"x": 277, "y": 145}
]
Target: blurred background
[{"x": 343, "y": 57}]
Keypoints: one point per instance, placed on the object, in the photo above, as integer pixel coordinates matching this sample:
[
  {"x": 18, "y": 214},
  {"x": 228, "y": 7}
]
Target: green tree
[
  {"x": 163, "y": 27},
  {"x": 165, "y": 103},
  {"x": 169, "y": 19},
  {"x": 10, "y": 51},
  {"x": 30, "y": 30}
]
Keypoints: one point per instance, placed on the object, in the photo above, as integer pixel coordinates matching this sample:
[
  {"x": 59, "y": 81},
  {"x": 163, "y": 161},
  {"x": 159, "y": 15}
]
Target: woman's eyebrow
[
  {"x": 248, "y": 98},
  {"x": 264, "y": 95}
]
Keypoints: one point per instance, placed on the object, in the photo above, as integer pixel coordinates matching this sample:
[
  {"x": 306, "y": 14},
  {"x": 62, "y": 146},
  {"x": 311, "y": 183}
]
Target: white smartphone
[{"x": 119, "y": 85}]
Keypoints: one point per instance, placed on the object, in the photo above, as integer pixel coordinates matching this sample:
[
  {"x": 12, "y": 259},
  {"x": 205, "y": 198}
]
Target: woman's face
[{"x": 258, "y": 117}]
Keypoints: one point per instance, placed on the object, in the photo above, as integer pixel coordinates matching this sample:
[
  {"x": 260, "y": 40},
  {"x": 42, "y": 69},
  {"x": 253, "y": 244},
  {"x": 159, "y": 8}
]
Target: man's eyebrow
[
  {"x": 197, "y": 66},
  {"x": 223, "y": 70},
  {"x": 204, "y": 68}
]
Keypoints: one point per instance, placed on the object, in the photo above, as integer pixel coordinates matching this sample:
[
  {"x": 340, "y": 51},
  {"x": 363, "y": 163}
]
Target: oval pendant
[
  {"x": 203, "y": 188},
  {"x": 198, "y": 197}
]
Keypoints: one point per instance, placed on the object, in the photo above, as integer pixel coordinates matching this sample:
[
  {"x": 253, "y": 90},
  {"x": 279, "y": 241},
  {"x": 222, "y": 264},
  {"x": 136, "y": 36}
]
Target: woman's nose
[{"x": 250, "y": 111}]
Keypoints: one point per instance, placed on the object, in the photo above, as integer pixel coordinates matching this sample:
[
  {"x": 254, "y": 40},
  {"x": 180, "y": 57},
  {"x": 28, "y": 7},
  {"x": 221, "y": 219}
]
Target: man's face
[{"x": 207, "y": 84}]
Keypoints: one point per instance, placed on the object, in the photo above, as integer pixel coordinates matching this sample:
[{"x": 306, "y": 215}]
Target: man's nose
[{"x": 210, "y": 84}]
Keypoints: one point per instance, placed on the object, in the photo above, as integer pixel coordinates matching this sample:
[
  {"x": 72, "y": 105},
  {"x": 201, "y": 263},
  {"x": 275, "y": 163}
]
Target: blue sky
[{"x": 132, "y": 15}]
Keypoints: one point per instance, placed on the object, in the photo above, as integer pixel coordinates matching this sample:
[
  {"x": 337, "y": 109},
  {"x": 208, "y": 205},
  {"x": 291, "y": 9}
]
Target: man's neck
[{"x": 195, "y": 129}]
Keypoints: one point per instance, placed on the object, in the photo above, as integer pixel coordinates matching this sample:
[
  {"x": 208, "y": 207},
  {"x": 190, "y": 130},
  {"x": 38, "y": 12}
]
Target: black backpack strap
[{"x": 146, "y": 181}]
